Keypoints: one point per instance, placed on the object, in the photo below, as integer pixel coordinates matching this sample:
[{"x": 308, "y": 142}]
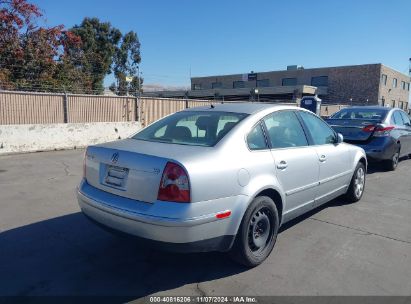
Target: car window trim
[{"x": 267, "y": 145}]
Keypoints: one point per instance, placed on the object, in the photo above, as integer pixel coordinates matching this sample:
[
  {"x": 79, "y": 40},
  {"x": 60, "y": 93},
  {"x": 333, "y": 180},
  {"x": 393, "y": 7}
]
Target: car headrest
[
  {"x": 180, "y": 133},
  {"x": 203, "y": 122},
  {"x": 227, "y": 127}
]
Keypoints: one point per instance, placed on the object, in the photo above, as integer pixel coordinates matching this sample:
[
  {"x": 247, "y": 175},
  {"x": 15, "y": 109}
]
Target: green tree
[
  {"x": 26, "y": 51},
  {"x": 54, "y": 59},
  {"x": 126, "y": 61},
  {"x": 32, "y": 57},
  {"x": 99, "y": 45}
]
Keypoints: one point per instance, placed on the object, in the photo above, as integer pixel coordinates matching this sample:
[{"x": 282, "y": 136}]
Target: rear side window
[
  {"x": 405, "y": 118},
  {"x": 191, "y": 128},
  {"x": 396, "y": 119},
  {"x": 284, "y": 130},
  {"x": 256, "y": 138},
  {"x": 320, "y": 132}
]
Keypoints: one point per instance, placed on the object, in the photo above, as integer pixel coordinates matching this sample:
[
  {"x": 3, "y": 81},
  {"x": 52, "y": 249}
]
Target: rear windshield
[
  {"x": 191, "y": 128},
  {"x": 377, "y": 114}
]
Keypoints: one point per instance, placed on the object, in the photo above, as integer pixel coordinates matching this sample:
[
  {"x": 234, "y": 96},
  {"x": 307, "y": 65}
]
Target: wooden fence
[{"x": 47, "y": 108}]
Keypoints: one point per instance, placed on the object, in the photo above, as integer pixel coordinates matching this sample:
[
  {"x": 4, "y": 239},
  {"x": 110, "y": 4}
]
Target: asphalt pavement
[{"x": 47, "y": 247}]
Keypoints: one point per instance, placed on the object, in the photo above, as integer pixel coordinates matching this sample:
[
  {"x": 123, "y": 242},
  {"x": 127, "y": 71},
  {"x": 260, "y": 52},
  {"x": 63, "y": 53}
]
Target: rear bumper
[
  {"x": 379, "y": 148},
  {"x": 221, "y": 243},
  {"x": 188, "y": 234}
]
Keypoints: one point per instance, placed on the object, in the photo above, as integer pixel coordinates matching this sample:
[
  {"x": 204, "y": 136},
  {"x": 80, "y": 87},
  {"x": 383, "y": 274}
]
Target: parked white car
[{"x": 221, "y": 177}]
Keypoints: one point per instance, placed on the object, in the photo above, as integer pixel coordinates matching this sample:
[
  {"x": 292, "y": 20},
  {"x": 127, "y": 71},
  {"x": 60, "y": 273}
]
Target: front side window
[
  {"x": 284, "y": 130},
  {"x": 191, "y": 128},
  {"x": 321, "y": 133},
  {"x": 256, "y": 139}
]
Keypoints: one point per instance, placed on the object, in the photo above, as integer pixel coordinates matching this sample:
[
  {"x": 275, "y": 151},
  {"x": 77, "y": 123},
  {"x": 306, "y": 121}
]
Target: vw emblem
[{"x": 114, "y": 157}]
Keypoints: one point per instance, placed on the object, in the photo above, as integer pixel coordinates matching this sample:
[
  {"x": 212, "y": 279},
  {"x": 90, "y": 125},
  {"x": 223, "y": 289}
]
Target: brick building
[{"x": 357, "y": 84}]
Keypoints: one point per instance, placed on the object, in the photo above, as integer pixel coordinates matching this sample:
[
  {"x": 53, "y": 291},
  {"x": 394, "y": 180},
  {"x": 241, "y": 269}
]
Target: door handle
[
  {"x": 282, "y": 165},
  {"x": 323, "y": 158}
]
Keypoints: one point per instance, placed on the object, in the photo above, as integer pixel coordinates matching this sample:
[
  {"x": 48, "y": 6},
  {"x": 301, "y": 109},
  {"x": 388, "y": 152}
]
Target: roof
[
  {"x": 293, "y": 71},
  {"x": 246, "y": 107},
  {"x": 369, "y": 108}
]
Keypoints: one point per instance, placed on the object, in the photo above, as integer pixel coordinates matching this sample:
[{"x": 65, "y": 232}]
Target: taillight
[
  {"x": 381, "y": 131},
  {"x": 174, "y": 185},
  {"x": 369, "y": 128}
]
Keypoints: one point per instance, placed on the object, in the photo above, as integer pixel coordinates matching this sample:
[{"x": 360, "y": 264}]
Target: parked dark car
[{"x": 384, "y": 133}]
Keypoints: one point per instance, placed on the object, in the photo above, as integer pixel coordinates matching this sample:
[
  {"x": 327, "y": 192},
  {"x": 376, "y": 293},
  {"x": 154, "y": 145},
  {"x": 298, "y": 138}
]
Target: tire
[
  {"x": 356, "y": 189},
  {"x": 392, "y": 163},
  {"x": 257, "y": 233}
]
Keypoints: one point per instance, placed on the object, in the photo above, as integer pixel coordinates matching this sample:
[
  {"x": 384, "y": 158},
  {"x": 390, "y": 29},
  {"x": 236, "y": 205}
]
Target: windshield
[
  {"x": 350, "y": 113},
  {"x": 191, "y": 128}
]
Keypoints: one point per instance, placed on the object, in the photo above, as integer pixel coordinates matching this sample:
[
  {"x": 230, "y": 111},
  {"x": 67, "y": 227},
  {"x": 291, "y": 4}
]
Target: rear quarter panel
[{"x": 230, "y": 169}]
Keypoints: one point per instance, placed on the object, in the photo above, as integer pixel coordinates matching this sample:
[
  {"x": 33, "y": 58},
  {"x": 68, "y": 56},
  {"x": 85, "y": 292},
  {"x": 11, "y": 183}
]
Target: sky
[{"x": 216, "y": 37}]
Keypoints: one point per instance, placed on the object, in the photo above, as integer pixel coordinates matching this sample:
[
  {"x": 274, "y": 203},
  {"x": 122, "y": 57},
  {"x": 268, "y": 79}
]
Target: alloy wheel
[
  {"x": 395, "y": 159},
  {"x": 359, "y": 182}
]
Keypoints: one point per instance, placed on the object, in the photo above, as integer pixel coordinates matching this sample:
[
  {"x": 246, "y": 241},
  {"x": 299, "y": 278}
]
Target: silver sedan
[{"x": 219, "y": 178}]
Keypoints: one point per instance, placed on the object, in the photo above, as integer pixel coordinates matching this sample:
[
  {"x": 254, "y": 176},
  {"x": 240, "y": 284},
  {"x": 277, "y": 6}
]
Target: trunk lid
[
  {"x": 354, "y": 129},
  {"x": 133, "y": 168}
]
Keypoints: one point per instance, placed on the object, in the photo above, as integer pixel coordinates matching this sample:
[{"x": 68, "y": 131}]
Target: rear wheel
[
  {"x": 357, "y": 185},
  {"x": 391, "y": 164},
  {"x": 257, "y": 233}
]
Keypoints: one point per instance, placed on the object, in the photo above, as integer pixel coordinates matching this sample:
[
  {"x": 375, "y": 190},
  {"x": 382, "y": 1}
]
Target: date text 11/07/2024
[{"x": 203, "y": 299}]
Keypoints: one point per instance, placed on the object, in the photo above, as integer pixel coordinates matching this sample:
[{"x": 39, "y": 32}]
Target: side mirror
[{"x": 340, "y": 138}]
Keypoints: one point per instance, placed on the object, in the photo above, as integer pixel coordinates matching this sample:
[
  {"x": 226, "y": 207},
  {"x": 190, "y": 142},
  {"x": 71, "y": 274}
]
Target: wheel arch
[
  {"x": 360, "y": 156},
  {"x": 275, "y": 196},
  {"x": 363, "y": 160}
]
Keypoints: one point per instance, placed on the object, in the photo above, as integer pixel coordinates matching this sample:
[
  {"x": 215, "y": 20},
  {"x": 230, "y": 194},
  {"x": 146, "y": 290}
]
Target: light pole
[{"x": 258, "y": 95}]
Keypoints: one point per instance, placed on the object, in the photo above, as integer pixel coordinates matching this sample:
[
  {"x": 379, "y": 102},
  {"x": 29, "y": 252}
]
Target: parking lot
[{"x": 47, "y": 247}]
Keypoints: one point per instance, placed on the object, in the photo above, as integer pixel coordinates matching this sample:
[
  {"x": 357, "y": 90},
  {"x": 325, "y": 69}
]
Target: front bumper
[{"x": 194, "y": 233}]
